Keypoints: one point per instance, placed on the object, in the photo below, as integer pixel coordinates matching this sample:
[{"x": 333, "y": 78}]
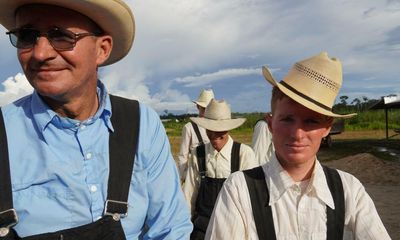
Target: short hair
[{"x": 277, "y": 94}]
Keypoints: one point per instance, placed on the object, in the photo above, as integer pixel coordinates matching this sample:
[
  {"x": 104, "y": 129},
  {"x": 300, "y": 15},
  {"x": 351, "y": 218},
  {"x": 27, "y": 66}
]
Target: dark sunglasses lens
[
  {"x": 61, "y": 39},
  {"x": 24, "y": 38}
]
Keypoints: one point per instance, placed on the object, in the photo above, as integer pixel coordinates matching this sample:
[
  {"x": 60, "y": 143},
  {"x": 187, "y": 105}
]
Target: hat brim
[
  {"x": 201, "y": 104},
  {"x": 218, "y": 125},
  {"x": 301, "y": 100},
  {"x": 111, "y": 15}
]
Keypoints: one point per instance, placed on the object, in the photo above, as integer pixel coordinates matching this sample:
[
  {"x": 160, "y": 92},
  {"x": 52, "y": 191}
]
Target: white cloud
[
  {"x": 14, "y": 88},
  {"x": 207, "y": 78},
  {"x": 183, "y": 45}
]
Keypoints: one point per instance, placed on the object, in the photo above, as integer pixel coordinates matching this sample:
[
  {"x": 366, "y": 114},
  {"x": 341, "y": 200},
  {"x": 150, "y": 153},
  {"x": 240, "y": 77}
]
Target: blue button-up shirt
[{"x": 60, "y": 166}]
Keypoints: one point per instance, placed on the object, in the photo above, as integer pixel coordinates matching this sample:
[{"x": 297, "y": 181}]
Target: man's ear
[
  {"x": 328, "y": 127},
  {"x": 104, "y": 47}
]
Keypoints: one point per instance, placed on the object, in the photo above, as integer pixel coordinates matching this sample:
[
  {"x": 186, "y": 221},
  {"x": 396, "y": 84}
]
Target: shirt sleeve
[
  {"x": 261, "y": 142},
  {"x": 362, "y": 219},
  {"x": 167, "y": 214},
  {"x": 247, "y": 158},
  {"x": 228, "y": 220},
  {"x": 184, "y": 150},
  {"x": 192, "y": 182}
]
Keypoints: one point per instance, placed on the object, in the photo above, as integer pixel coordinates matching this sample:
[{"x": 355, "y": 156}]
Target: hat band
[{"x": 305, "y": 96}]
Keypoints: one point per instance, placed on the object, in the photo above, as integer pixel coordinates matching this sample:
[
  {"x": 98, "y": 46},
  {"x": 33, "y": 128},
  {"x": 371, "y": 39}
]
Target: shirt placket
[{"x": 90, "y": 158}]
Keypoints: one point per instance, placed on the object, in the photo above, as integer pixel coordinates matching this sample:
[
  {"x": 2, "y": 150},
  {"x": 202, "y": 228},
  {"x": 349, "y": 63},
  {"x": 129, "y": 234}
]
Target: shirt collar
[
  {"x": 279, "y": 181},
  {"x": 43, "y": 115},
  {"x": 225, "y": 151}
]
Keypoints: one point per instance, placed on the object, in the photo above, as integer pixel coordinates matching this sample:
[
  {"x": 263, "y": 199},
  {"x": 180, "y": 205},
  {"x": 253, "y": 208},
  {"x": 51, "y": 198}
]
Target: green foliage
[{"x": 374, "y": 120}]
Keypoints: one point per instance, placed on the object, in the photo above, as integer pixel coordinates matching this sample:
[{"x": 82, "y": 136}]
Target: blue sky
[{"x": 184, "y": 46}]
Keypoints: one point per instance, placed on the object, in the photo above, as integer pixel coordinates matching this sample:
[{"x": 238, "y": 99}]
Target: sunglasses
[{"x": 60, "y": 39}]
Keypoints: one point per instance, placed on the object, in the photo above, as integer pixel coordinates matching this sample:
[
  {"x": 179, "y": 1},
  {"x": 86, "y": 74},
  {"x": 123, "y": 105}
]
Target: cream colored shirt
[
  {"x": 188, "y": 143},
  {"x": 262, "y": 142},
  {"x": 218, "y": 165},
  {"x": 296, "y": 216}
]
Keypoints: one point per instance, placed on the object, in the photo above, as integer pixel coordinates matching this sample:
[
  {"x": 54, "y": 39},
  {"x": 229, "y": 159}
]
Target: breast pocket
[{"x": 41, "y": 208}]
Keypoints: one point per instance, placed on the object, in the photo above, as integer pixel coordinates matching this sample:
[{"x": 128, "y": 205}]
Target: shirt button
[
  {"x": 88, "y": 155},
  {"x": 296, "y": 189},
  {"x": 83, "y": 127},
  {"x": 93, "y": 188}
]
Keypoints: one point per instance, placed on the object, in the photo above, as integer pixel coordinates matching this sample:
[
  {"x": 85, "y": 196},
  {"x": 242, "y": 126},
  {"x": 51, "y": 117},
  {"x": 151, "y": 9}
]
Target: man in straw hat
[
  {"x": 192, "y": 134},
  {"x": 82, "y": 164},
  {"x": 293, "y": 196},
  {"x": 213, "y": 162}
]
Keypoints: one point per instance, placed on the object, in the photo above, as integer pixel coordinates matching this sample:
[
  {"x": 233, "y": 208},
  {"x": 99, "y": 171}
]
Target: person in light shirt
[
  {"x": 293, "y": 196},
  {"x": 213, "y": 162},
  {"x": 192, "y": 134},
  {"x": 262, "y": 141},
  {"x": 76, "y": 161}
]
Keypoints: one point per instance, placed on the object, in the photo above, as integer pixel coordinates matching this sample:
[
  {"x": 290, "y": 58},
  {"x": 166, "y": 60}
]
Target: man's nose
[{"x": 43, "y": 50}]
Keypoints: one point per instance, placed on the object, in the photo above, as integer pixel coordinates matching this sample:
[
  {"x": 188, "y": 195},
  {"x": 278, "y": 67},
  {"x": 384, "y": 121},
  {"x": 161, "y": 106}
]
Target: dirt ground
[{"x": 382, "y": 181}]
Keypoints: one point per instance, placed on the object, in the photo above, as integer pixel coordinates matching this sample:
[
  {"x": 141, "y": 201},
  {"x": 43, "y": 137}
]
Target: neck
[
  {"x": 78, "y": 108},
  {"x": 299, "y": 172}
]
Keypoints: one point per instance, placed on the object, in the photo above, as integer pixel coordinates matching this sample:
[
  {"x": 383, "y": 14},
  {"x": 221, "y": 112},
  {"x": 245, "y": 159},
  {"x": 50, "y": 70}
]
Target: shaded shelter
[{"x": 387, "y": 103}]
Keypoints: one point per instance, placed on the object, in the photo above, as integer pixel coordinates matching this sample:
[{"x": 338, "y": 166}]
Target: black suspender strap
[
  {"x": 122, "y": 146},
  {"x": 335, "y": 218},
  {"x": 235, "y": 157},
  {"x": 259, "y": 197},
  {"x": 201, "y": 160},
  {"x": 197, "y": 131},
  {"x": 8, "y": 216}
]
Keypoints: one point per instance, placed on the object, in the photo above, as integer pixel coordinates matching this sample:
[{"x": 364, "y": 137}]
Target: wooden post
[{"x": 386, "y": 117}]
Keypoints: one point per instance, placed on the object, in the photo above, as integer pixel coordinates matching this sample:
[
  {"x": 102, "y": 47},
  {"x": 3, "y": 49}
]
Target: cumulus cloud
[
  {"x": 184, "y": 45},
  {"x": 14, "y": 88}
]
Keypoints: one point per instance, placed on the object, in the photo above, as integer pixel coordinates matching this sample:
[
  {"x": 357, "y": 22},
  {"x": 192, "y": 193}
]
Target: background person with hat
[
  {"x": 81, "y": 163},
  {"x": 192, "y": 134},
  {"x": 293, "y": 196},
  {"x": 213, "y": 162}
]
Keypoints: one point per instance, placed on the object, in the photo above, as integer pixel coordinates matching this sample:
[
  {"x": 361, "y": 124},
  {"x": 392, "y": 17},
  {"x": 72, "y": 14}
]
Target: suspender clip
[
  {"x": 9, "y": 219},
  {"x": 117, "y": 213},
  {"x": 202, "y": 174}
]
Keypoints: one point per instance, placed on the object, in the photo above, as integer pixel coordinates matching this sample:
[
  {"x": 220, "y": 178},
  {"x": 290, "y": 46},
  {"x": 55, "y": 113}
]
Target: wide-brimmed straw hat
[
  {"x": 113, "y": 16},
  {"x": 217, "y": 117},
  {"x": 314, "y": 83},
  {"x": 204, "y": 98}
]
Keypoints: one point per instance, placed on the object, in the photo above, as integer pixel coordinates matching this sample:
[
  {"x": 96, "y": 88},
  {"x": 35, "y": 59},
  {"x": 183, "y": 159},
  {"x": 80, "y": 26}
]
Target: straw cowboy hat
[
  {"x": 205, "y": 98},
  {"x": 113, "y": 16},
  {"x": 217, "y": 117},
  {"x": 314, "y": 83}
]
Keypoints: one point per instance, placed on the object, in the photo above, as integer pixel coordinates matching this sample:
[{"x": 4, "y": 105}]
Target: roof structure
[{"x": 387, "y": 103}]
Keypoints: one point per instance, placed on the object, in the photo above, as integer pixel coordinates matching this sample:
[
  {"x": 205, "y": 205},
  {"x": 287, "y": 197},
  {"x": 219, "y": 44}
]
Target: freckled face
[{"x": 297, "y": 132}]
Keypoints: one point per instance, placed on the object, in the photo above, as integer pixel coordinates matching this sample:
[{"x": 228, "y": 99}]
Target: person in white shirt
[
  {"x": 193, "y": 135},
  {"x": 213, "y": 162},
  {"x": 293, "y": 196},
  {"x": 262, "y": 141}
]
